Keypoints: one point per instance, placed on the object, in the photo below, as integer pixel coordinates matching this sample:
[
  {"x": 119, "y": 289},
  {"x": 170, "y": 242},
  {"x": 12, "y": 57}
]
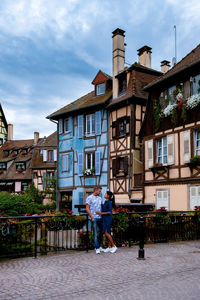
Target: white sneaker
[
  {"x": 113, "y": 249},
  {"x": 98, "y": 251},
  {"x": 107, "y": 250},
  {"x": 101, "y": 249}
]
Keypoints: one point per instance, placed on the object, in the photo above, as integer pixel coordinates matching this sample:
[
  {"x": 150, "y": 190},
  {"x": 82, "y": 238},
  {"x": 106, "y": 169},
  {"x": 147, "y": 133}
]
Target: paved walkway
[{"x": 170, "y": 272}]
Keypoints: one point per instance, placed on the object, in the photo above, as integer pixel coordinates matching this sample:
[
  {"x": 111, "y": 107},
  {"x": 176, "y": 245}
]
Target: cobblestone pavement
[{"x": 169, "y": 272}]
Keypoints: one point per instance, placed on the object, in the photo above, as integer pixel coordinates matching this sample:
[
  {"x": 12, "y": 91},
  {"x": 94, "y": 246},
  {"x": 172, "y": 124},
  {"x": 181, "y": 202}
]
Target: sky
[{"x": 51, "y": 50}]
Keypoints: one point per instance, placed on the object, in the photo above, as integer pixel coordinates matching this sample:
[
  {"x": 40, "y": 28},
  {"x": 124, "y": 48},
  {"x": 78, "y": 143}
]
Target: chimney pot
[
  {"x": 144, "y": 56},
  {"x": 165, "y": 66},
  {"x": 10, "y": 132},
  {"x": 36, "y": 137}
]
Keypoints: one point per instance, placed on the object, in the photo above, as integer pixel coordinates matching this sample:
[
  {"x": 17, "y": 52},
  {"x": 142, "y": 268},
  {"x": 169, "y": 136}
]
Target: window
[
  {"x": 121, "y": 127},
  {"x": 50, "y": 155},
  {"x": 24, "y": 186},
  {"x": 1, "y": 142},
  {"x": 161, "y": 154},
  {"x": 194, "y": 196},
  {"x": 90, "y": 160},
  {"x": 66, "y": 125},
  {"x": 170, "y": 94},
  {"x": 122, "y": 86},
  {"x": 90, "y": 125},
  {"x": 120, "y": 166},
  {"x": 24, "y": 151},
  {"x": 100, "y": 89},
  {"x": 162, "y": 199},
  {"x": 20, "y": 166},
  {"x": 197, "y": 142},
  {"x": 6, "y": 152},
  {"x": 196, "y": 86},
  {"x": 2, "y": 166},
  {"x": 50, "y": 176}
]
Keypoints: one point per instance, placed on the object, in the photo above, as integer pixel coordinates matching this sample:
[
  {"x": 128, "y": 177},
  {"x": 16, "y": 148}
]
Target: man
[{"x": 93, "y": 204}]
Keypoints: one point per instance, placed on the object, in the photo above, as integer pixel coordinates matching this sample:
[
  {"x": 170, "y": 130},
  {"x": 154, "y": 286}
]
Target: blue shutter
[
  {"x": 196, "y": 84},
  {"x": 80, "y": 126},
  {"x": 70, "y": 123},
  {"x": 81, "y": 197},
  {"x": 80, "y": 164},
  {"x": 98, "y": 122},
  {"x": 97, "y": 163},
  {"x": 65, "y": 163},
  {"x": 60, "y": 125},
  {"x": 44, "y": 179}
]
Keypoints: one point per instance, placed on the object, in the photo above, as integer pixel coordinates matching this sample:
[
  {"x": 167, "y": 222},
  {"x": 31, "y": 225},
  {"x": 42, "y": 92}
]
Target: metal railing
[{"x": 30, "y": 236}]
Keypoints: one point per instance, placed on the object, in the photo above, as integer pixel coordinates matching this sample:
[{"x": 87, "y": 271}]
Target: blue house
[{"x": 83, "y": 138}]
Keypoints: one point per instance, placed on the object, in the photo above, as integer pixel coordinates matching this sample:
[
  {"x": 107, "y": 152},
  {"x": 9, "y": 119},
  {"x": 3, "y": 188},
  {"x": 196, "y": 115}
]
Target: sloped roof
[
  {"x": 86, "y": 101},
  {"x": 135, "y": 86},
  {"x": 190, "y": 59},
  {"x": 50, "y": 141},
  {"x": 101, "y": 77}
]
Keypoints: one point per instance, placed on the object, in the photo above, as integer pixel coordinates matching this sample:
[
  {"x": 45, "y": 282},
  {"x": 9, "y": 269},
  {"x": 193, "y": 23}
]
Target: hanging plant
[{"x": 157, "y": 112}]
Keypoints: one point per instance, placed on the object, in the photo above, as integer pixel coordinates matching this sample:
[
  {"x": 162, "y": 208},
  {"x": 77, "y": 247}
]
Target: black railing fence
[{"x": 33, "y": 235}]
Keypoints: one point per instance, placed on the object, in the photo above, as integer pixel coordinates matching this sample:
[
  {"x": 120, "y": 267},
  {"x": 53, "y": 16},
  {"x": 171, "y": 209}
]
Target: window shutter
[
  {"x": 127, "y": 125},
  {"x": 126, "y": 165},
  {"x": 80, "y": 164},
  {"x": 44, "y": 180},
  {"x": 170, "y": 149},
  {"x": 80, "y": 126},
  {"x": 60, "y": 124},
  {"x": 81, "y": 197},
  {"x": 97, "y": 163},
  {"x": 55, "y": 154},
  {"x": 186, "y": 146},
  {"x": 114, "y": 129},
  {"x": 98, "y": 122},
  {"x": 70, "y": 124},
  {"x": 196, "y": 84},
  {"x": 65, "y": 163},
  {"x": 44, "y": 155},
  {"x": 162, "y": 199},
  {"x": 195, "y": 142},
  {"x": 150, "y": 153},
  {"x": 114, "y": 167}
]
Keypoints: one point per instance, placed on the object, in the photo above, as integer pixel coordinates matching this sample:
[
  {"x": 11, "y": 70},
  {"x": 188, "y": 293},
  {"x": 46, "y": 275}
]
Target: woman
[{"x": 107, "y": 220}]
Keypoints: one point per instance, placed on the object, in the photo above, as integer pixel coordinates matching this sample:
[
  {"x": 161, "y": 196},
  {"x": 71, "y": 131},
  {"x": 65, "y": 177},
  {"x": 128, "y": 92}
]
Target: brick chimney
[
  {"x": 165, "y": 66},
  {"x": 36, "y": 137},
  {"x": 118, "y": 57},
  {"x": 10, "y": 132},
  {"x": 144, "y": 56}
]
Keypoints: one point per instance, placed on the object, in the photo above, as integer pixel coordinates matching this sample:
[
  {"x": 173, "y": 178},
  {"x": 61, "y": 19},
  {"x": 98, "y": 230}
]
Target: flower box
[{"x": 158, "y": 167}]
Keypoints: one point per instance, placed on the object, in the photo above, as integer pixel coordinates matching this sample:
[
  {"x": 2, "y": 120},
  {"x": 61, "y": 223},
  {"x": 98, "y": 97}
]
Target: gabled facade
[
  {"x": 44, "y": 162},
  {"x": 83, "y": 144},
  {"x": 127, "y": 110},
  {"x": 3, "y": 127},
  {"x": 171, "y": 137},
  {"x": 15, "y": 165}
]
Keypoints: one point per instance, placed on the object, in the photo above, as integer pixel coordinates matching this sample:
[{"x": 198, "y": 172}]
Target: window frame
[
  {"x": 99, "y": 89},
  {"x": 122, "y": 85},
  {"x": 50, "y": 155},
  {"x": 66, "y": 120},
  {"x": 116, "y": 127},
  {"x": 92, "y": 125},
  {"x": 168, "y": 197},
  {"x": 92, "y": 160},
  {"x": 3, "y": 166},
  {"x": 20, "y": 166},
  {"x": 197, "y": 141},
  {"x": 161, "y": 148}
]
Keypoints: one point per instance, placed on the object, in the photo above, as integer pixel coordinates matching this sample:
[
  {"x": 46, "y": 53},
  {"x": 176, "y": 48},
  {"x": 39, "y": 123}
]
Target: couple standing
[{"x": 100, "y": 213}]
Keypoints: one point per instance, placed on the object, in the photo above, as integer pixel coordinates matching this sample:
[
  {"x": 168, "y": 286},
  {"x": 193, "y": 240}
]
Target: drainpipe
[
  {"x": 130, "y": 156},
  {"x": 57, "y": 165}
]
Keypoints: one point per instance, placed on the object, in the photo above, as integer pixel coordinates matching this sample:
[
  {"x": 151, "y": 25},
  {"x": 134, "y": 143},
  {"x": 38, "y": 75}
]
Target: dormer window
[
  {"x": 122, "y": 86},
  {"x": 2, "y": 166},
  {"x": 6, "y": 152},
  {"x": 20, "y": 166},
  {"x": 100, "y": 89}
]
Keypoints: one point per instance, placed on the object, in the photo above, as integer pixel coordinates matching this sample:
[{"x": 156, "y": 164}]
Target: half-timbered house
[
  {"x": 83, "y": 144},
  {"x": 127, "y": 110},
  {"x": 44, "y": 163},
  {"x": 3, "y": 127},
  {"x": 171, "y": 137}
]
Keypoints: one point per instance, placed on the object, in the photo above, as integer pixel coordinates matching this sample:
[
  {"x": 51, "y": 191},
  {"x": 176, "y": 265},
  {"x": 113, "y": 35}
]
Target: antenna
[{"x": 175, "y": 57}]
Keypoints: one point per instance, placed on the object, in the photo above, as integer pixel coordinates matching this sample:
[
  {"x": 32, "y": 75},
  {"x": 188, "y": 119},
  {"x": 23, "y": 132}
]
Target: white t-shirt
[{"x": 95, "y": 205}]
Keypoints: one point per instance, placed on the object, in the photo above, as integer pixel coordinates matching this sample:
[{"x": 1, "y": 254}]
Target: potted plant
[{"x": 88, "y": 172}]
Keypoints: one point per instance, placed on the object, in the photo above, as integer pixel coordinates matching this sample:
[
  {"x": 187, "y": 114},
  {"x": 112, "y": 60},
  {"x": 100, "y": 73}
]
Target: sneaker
[
  {"x": 98, "y": 251},
  {"x": 101, "y": 249},
  {"x": 113, "y": 249},
  {"x": 107, "y": 250}
]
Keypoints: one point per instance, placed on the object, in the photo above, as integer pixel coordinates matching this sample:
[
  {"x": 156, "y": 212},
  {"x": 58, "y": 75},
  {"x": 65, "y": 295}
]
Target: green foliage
[
  {"x": 157, "y": 112},
  {"x": 184, "y": 114},
  {"x": 50, "y": 189},
  {"x": 121, "y": 221},
  {"x": 174, "y": 117},
  {"x": 33, "y": 194}
]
